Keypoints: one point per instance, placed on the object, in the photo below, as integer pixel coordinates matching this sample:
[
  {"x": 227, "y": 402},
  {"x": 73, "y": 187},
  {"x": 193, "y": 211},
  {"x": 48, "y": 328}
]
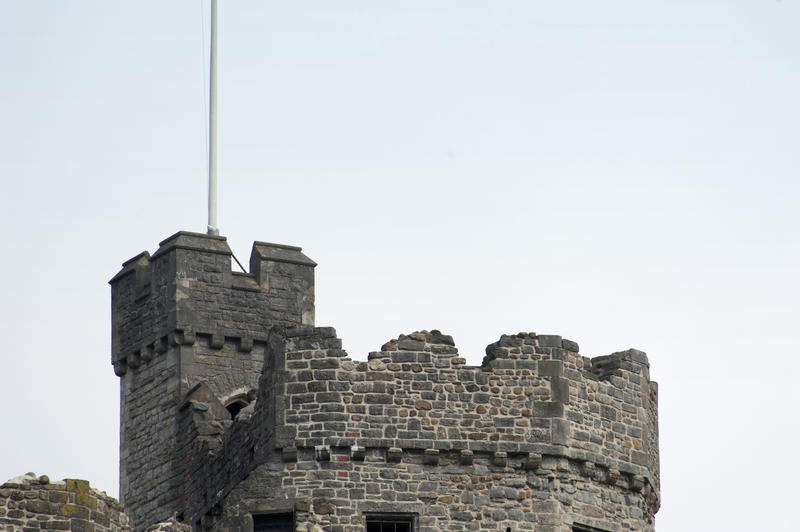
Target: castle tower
[
  {"x": 179, "y": 318},
  {"x": 537, "y": 438}
]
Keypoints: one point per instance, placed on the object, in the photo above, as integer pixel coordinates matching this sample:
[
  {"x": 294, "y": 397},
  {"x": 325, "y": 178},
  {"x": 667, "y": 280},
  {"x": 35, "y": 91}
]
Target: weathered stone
[
  {"x": 394, "y": 454},
  {"x": 431, "y": 457},
  {"x": 422, "y": 405},
  {"x": 533, "y": 461},
  {"x": 549, "y": 340},
  {"x": 409, "y": 344},
  {"x": 357, "y": 454},
  {"x": 289, "y": 454},
  {"x": 548, "y": 409},
  {"x": 569, "y": 345},
  {"x": 44, "y": 505},
  {"x": 329, "y": 440}
]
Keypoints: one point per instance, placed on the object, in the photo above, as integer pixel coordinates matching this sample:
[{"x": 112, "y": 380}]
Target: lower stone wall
[
  {"x": 446, "y": 491},
  {"x": 29, "y": 503}
]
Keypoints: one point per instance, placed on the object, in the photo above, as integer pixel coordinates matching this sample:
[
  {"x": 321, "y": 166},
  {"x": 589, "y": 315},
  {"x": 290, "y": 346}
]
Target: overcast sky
[{"x": 624, "y": 174}]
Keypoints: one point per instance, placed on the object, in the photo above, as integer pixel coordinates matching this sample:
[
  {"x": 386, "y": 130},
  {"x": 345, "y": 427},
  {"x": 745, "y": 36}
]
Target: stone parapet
[{"x": 187, "y": 288}]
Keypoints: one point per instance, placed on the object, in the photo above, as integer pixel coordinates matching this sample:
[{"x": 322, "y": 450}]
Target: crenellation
[{"x": 193, "y": 290}]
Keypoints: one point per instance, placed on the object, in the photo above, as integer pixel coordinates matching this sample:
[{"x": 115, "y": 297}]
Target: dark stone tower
[{"x": 181, "y": 317}]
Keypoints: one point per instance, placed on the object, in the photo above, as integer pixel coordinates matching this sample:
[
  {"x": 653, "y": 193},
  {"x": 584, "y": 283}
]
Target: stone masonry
[
  {"x": 161, "y": 306},
  {"x": 29, "y": 503},
  {"x": 235, "y": 406}
]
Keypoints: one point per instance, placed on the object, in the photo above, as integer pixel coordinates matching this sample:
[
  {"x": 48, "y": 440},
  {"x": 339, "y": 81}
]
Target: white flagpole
[{"x": 213, "y": 228}]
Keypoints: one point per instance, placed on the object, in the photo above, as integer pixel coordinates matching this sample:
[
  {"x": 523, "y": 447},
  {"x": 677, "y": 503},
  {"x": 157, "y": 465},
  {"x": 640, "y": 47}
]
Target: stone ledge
[
  {"x": 527, "y": 457},
  {"x": 216, "y": 341}
]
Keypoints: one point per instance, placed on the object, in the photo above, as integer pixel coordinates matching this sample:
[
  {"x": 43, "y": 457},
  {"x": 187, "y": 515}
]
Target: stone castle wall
[{"x": 537, "y": 438}]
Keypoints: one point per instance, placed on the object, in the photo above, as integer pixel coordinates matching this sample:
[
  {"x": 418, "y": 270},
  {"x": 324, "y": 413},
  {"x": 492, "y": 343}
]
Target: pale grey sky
[{"x": 622, "y": 173}]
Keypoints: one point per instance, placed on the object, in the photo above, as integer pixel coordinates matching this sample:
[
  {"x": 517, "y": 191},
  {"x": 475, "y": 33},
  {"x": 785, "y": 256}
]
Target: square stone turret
[
  {"x": 180, "y": 317},
  {"x": 188, "y": 286}
]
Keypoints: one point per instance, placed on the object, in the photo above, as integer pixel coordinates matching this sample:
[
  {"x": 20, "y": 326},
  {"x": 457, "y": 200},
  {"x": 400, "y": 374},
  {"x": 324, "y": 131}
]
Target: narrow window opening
[{"x": 235, "y": 407}]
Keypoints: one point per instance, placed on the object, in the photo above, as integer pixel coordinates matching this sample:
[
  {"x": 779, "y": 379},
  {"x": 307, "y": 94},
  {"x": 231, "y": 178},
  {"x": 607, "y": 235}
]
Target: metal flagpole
[{"x": 213, "y": 228}]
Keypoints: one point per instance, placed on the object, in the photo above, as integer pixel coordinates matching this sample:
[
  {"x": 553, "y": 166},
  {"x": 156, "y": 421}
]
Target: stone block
[
  {"x": 378, "y": 398},
  {"x": 532, "y": 461},
  {"x": 549, "y": 340},
  {"x": 569, "y": 345},
  {"x": 500, "y": 459},
  {"x": 551, "y": 368},
  {"x": 559, "y": 388},
  {"x": 73, "y": 510},
  {"x": 409, "y": 344},
  {"x": 608, "y": 412},
  {"x": 289, "y": 454},
  {"x": 561, "y": 431},
  {"x": 548, "y": 409},
  {"x": 431, "y": 457}
]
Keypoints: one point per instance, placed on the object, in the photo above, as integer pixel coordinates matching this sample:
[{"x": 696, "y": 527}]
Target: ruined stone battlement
[
  {"x": 29, "y": 502},
  {"x": 234, "y": 405}
]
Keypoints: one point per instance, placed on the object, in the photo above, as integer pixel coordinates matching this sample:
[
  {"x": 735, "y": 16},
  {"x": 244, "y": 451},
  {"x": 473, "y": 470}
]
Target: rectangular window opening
[
  {"x": 390, "y": 523},
  {"x": 585, "y": 528},
  {"x": 273, "y": 523}
]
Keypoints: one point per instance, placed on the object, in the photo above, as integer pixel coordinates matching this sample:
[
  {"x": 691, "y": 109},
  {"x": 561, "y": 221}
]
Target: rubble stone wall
[
  {"x": 30, "y": 503},
  {"x": 537, "y": 438}
]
